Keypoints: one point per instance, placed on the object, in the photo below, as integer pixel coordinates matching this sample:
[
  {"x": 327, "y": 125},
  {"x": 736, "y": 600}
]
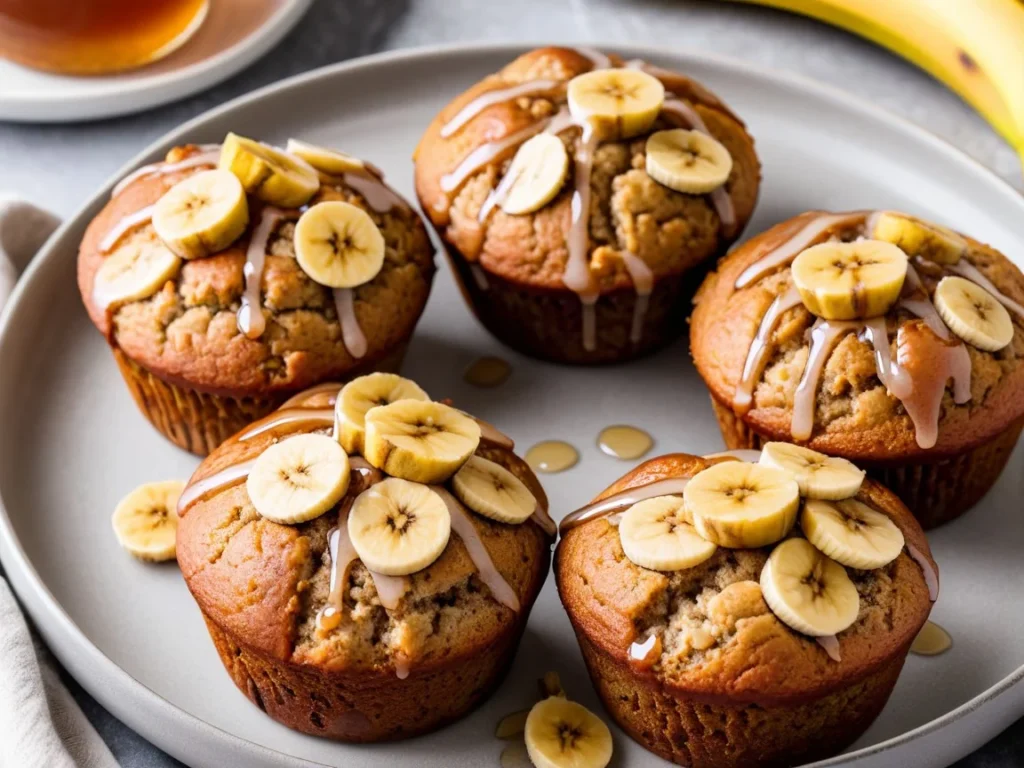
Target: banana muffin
[
  {"x": 230, "y": 277},
  {"x": 875, "y": 336},
  {"x": 578, "y": 195},
  {"x": 365, "y": 559},
  {"x": 738, "y": 615}
]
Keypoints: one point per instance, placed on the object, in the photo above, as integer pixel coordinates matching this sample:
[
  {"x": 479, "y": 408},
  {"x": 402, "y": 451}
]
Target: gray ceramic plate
[{"x": 71, "y": 441}]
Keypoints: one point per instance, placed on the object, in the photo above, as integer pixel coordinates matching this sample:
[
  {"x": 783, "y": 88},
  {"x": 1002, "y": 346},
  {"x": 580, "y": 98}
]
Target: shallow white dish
[
  {"x": 233, "y": 35},
  {"x": 72, "y": 442}
]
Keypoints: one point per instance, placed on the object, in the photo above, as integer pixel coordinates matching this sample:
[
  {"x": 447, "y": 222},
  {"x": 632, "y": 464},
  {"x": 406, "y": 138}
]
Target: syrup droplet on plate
[
  {"x": 624, "y": 442},
  {"x": 487, "y": 372},
  {"x": 931, "y": 640},
  {"x": 552, "y": 456}
]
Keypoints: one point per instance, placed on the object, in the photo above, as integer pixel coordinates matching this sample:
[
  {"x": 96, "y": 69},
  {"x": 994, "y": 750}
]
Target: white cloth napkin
[{"x": 41, "y": 726}]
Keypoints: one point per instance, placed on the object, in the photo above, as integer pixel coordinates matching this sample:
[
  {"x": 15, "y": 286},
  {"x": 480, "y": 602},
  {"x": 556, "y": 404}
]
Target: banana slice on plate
[
  {"x": 364, "y": 393},
  {"x": 202, "y": 214},
  {"x": 563, "y": 734},
  {"x": 740, "y": 505},
  {"x": 973, "y": 314},
  {"x": 657, "y": 534},
  {"x": 807, "y": 591},
  {"x": 135, "y": 271},
  {"x": 338, "y": 245},
  {"x": 616, "y": 103},
  {"x": 850, "y": 281},
  {"x": 329, "y": 161},
  {"x": 146, "y": 520},
  {"x": 425, "y": 442},
  {"x": 273, "y": 176},
  {"x": 398, "y": 527},
  {"x": 490, "y": 490},
  {"x": 917, "y": 238},
  {"x": 298, "y": 479},
  {"x": 537, "y": 173},
  {"x": 851, "y": 533},
  {"x": 819, "y": 476},
  {"x": 687, "y": 161}
]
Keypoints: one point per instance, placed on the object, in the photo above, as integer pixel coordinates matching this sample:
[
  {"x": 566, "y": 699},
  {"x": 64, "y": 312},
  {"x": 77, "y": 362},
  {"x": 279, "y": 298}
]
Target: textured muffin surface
[
  {"x": 854, "y": 415},
  {"x": 187, "y": 332},
  {"x": 720, "y": 642},
  {"x": 671, "y": 232}
]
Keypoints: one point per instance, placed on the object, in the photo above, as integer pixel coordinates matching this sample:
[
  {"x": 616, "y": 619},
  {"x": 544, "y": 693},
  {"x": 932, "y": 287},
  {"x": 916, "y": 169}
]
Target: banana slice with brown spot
[
  {"x": 202, "y": 214},
  {"x": 333, "y": 162},
  {"x": 657, "y": 534},
  {"x": 276, "y": 177},
  {"x": 366, "y": 392},
  {"x": 146, "y": 520},
  {"x": 298, "y": 479},
  {"x": 851, "y": 533},
  {"x": 850, "y": 281},
  {"x": 687, "y": 161},
  {"x": 135, "y": 271},
  {"x": 819, "y": 476},
  {"x": 616, "y": 103},
  {"x": 339, "y": 245},
  {"x": 917, "y": 238},
  {"x": 490, "y": 490},
  {"x": 973, "y": 314}
]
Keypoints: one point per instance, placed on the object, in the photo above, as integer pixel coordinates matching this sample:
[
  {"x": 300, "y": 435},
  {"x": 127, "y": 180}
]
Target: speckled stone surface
[{"x": 59, "y": 167}]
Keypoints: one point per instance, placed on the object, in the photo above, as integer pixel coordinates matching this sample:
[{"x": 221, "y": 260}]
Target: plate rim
[
  {"x": 42, "y": 605},
  {"x": 143, "y": 93}
]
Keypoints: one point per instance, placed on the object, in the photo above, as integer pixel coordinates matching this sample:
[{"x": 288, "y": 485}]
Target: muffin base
[
  {"x": 200, "y": 421},
  {"x": 704, "y": 734},
  {"x": 548, "y": 324},
  {"x": 936, "y": 492}
]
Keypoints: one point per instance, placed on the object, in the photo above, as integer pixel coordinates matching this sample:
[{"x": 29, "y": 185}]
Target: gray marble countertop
[{"x": 59, "y": 167}]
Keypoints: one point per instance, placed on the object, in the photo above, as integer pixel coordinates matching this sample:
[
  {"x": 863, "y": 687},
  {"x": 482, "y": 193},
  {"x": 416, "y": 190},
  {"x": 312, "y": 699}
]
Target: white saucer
[{"x": 230, "y": 39}]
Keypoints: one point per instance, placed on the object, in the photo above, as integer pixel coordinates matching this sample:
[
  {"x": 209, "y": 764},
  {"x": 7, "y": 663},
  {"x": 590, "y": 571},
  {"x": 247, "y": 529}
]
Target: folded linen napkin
[{"x": 41, "y": 725}]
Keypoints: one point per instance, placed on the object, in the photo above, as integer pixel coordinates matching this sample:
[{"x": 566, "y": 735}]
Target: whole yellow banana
[{"x": 976, "y": 47}]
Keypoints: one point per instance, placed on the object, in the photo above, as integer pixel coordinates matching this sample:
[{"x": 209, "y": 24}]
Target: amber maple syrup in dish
[{"x": 95, "y": 37}]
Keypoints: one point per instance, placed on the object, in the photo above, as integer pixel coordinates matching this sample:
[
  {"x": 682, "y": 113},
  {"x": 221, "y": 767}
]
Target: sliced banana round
[
  {"x": 135, "y": 271},
  {"x": 298, "y": 479},
  {"x": 202, "y": 214},
  {"x": 917, "y": 238},
  {"x": 851, "y": 533},
  {"x": 398, "y": 527},
  {"x": 740, "y": 505},
  {"x": 146, "y": 520},
  {"x": 536, "y": 173},
  {"x": 564, "y": 734},
  {"x": 657, "y": 534},
  {"x": 819, "y": 476},
  {"x": 687, "y": 161},
  {"x": 973, "y": 314},
  {"x": 273, "y": 176},
  {"x": 807, "y": 591},
  {"x": 364, "y": 393},
  {"x": 490, "y": 490},
  {"x": 425, "y": 442},
  {"x": 338, "y": 245},
  {"x": 616, "y": 103},
  {"x": 850, "y": 281},
  {"x": 329, "y": 161}
]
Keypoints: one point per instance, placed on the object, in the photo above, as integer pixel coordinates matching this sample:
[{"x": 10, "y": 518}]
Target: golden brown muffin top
[
  {"x": 854, "y": 413},
  {"x": 629, "y": 212},
  {"x": 265, "y": 583},
  {"x": 719, "y": 638},
  {"x": 187, "y": 331}
]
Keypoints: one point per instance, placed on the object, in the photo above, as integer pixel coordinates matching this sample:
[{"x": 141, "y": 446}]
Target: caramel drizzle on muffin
[
  {"x": 577, "y": 276},
  {"x": 928, "y": 355}
]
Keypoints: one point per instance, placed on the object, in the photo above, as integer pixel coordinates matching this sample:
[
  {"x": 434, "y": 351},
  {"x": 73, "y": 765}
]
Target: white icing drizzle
[
  {"x": 620, "y": 501},
  {"x": 125, "y": 225},
  {"x": 351, "y": 332},
  {"x": 758, "y": 352},
  {"x": 209, "y": 154},
  {"x": 824, "y": 335},
  {"x": 308, "y": 394},
  {"x": 749, "y": 455},
  {"x": 931, "y": 576},
  {"x": 485, "y": 154},
  {"x": 490, "y": 98},
  {"x": 967, "y": 270},
  {"x": 203, "y": 489},
  {"x": 643, "y": 283},
  {"x": 489, "y": 575},
  {"x": 598, "y": 59},
  {"x": 378, "y": 195},
  {"x": 831, "y": 645},
  {"x": 292, "y": 418},
  {"x": 250, "y": 318},
  {"x": 577, "y": 276}
]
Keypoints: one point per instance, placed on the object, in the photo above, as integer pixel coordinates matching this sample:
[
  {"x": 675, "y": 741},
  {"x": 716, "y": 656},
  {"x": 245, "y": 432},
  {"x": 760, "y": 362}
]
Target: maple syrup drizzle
[
  {"x": 250, "y": 318},
  {"x": 286, "y": 420},
  {"x": 306, "y": 396},
  {"x": 497, "y": 96},
  {"x": 209, "y": 154},
  {"x": 201, "y": 490},
  {"x": 643, "y": 284},
  {"x": 124, "y": 226},
  {"x": 931, "y": 640},
  {"x": 550, "y": 456},
  {"x": 489, "y": 575},
  {"x": 758, "y": 352},
  {"x": 351, "y": 332},
  {"x": 623, "y": 441}
]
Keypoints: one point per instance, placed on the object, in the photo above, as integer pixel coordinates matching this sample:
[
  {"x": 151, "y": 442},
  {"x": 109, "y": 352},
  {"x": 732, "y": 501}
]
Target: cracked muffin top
[
  {"x": 919, "y": 352},
  {"x": 498, "y": 170},
  {"x": 723, "y": 623},
  {"x": 244, "y": 269},
  {"x": 377, "y": 572}
]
